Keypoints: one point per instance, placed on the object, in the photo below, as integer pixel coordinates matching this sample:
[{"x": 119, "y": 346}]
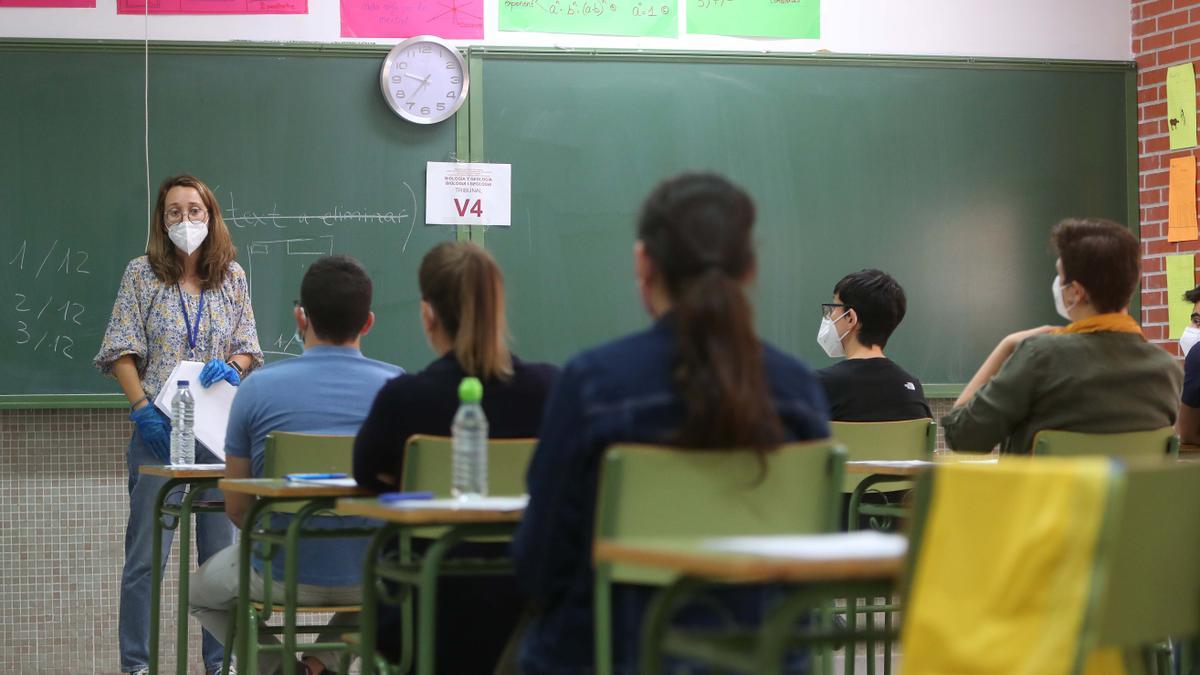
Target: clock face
[{"x": 424, "y": 79}]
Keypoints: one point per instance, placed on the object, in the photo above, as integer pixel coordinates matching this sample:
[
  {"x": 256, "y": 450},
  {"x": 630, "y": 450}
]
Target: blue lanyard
[{"x": 191, "y": 334}]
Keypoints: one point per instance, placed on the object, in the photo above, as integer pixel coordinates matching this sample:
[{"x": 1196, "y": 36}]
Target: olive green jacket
[{"x": 1089, "y": 382}]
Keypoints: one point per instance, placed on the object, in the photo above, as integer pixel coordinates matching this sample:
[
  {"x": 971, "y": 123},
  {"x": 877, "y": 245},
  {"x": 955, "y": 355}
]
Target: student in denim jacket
[{"x": 699, "y": 377}]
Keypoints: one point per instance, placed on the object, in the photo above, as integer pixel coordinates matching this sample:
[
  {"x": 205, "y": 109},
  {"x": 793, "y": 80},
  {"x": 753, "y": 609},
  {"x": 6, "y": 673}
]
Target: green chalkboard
[
  {"x": 948, "y": 173},
  {"x": 297, "y": 143}
]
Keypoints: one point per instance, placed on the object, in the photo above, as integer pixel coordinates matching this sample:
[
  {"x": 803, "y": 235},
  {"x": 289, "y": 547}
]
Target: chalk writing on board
[
  {"x": 655, "y": 18},
  {"x": 68, "y": 261},
  {"x": 244, "y": 218},
  {"x": 44, "y": 324}
]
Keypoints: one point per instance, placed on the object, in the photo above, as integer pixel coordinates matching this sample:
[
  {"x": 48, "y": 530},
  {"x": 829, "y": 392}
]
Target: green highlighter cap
[{"x": 470, "y": 390}]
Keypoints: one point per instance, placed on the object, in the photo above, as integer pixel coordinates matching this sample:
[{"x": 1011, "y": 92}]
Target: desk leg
[
  {"x": 370, "y": 601},
  {"x": 850, "y": 646},
  {"x": 245, "y": 547},
  {"x": 185, "y": 557},
  {"x": 156, "y": 572},
  {"x": 856, "y": 501}
]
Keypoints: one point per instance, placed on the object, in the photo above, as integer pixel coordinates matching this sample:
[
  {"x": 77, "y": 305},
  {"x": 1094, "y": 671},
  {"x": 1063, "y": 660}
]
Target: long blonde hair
[
  {"x": 464, "y": 286},
  {"x": 216, "y": 252}
]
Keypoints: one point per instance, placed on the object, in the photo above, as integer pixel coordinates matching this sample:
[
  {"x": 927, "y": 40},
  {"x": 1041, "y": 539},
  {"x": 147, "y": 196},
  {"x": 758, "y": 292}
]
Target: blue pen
[
  {"x": 389, "y": 497},
  {"x": 315, "y": 476}
]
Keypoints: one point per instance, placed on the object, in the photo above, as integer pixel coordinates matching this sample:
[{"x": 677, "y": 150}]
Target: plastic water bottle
[
  {"x": 470, "y": 434},
  {"x": 183, "y": 435}
]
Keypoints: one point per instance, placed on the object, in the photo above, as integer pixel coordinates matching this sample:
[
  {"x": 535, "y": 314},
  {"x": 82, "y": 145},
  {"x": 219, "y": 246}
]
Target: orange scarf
[{"x": 1115, "y": 322}]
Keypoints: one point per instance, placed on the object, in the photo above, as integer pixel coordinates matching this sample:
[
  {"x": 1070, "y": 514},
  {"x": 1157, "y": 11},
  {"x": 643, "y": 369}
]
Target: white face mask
[
  {"x": 1191, "y": 335},
  {"x": 187, "y": 235},
  {"x": 828, "y": 338},
  {"x": 1060, "y": 305}
]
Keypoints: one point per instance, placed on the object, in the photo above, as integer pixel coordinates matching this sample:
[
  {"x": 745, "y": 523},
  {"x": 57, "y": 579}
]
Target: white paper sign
[
  {"x": 212, "y": 404},
  {"x": 468, "y": 193}
]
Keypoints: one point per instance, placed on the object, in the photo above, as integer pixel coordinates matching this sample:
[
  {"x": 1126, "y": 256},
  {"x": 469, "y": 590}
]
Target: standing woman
[{"x": 186, "y": 299}]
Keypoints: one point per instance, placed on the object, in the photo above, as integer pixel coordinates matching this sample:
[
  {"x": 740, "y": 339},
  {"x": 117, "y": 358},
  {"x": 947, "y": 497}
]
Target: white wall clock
[{"x": 424, "y": 79}]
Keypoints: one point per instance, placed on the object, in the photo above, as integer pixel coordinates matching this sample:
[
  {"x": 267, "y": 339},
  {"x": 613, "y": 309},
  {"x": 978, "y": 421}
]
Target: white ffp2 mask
[
  {"x": 1191, "y": 335},
  {"x": 1060, "y": 305},
  {"x": 187, "y": 235},
  {"x": 829, "y": 339}
]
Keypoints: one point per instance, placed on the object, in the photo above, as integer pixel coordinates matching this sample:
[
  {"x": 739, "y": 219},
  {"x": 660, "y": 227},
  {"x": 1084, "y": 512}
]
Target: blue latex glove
[
  {"x": 155, "y": 430},
  {"x": 217, "y": 370}
]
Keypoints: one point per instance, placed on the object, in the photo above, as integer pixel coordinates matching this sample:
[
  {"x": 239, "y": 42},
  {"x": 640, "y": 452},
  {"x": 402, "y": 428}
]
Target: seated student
[
  {"x": 868, "y": 386},
  {"x": 1189, "y": 411},
  {"x": 699, "y": 377},
  {"x": 462, "y": 314},
  {"x": 327, "y": 390},
  {"x": 1098, "y": 374}
]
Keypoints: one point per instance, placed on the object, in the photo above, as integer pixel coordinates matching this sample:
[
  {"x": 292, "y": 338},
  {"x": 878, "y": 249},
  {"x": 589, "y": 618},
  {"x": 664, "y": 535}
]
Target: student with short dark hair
[
  {"x": 1188, "y": 426},
  {"x": 867, "y": 386},
  {"x": 462, "y": 314},
  {"x": 699, "y": 377},
  {"x": 1098, "y": 374},
  {"x": 326, "y": 390}
]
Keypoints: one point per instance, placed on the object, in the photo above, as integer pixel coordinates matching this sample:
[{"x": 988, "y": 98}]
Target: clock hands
[{"x": 423, "y": 80}]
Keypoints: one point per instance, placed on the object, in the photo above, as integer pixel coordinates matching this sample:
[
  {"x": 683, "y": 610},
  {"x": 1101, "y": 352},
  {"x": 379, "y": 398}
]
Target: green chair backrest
[
  {"x": 428, "y": 460},
  {"x": 1153, "y": 585},
  {"x": 648, "y": 491},
  {"x": 1154, "y": 443},
  {"x": 908, "y": 439},
  {"x": 288, "y": 452}
]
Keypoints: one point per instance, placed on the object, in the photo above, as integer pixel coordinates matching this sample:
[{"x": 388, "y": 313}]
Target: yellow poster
[
  {"x": 1181, "y": 200},
  {"x": 1181, "y": 278},
  {"x": 1181, "y": 105}
]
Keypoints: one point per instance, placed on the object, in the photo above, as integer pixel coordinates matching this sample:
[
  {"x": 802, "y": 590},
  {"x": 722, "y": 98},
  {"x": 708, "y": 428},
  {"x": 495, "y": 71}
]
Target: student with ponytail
[
  {"x": 699, "y": 378},
  {"x": 462, "y": 314}
]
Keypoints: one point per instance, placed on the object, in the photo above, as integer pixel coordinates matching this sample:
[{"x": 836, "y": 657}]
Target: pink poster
[
  {"x": 450, "y": 19},
  {"x": 87, "y": 4},
  {"x": 213, "y": 6}
]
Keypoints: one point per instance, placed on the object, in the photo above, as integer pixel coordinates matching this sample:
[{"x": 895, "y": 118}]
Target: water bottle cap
[
  {"x": 470, "y": 390},
  {"x": 181, "y": 383}
]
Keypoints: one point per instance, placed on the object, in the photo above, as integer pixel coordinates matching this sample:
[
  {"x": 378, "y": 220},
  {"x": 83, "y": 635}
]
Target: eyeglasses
[
  {"x": 828, "y": 309},
  {"x": 195, "y": 214},
  {"x": 1195, "y": 319}
]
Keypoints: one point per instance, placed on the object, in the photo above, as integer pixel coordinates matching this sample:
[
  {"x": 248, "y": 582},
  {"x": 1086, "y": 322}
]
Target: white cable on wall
[{"x": 146, "y": 118}]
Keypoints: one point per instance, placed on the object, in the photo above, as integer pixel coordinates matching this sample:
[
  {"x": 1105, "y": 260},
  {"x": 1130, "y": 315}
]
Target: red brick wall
[{"x": 1165, "y": 33}]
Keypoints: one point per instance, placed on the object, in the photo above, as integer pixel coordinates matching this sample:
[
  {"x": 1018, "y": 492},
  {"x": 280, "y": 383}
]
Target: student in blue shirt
[
  {"x": 699, "y": 377},
  {"x": 327, "y": 390}
]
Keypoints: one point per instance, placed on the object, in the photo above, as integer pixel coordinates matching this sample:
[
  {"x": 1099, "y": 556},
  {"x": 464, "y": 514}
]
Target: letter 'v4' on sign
[{"x": 468, "y": 193}]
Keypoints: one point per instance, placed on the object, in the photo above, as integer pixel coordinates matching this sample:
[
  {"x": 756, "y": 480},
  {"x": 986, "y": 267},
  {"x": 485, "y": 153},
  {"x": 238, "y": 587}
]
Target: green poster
[
  {"x": 1181, "y": 105},
  {"x": 755, "y": 18},
  {"x": 1181, "y": 278},
  {"x": 639, "y": 18}
]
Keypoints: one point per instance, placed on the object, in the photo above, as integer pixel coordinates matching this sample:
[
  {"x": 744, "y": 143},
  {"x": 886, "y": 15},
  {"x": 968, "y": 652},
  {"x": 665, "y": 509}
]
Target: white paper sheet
[
  {"x": 897, "y": 463},
  {"x": 199, "y": 467},
  {"x": 327, "y": 482},
  {"x": 859, "y": 545},
  {"x": 482, "y": 504},
  {"x": 212, "y": 404}
]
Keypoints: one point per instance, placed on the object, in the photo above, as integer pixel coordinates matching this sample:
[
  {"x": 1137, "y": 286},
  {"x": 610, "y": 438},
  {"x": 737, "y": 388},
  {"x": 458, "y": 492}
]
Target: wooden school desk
[
  {"x": 822, "y": 567},
  {"x": 444, "y": 525},
  {"x": 195, "y": 478},
  {"x": 273, "y": 491}
]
